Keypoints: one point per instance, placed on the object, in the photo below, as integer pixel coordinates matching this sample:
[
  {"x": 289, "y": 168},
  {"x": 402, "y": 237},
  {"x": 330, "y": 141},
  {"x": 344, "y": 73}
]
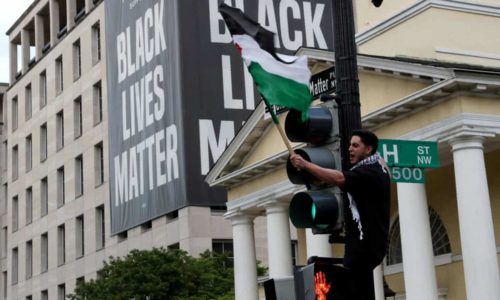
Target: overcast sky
[{"x": 11, "y": 11}]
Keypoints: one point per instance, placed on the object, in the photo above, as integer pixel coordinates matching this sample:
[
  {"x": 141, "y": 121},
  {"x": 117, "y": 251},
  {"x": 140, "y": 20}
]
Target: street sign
[
  {"x": 407, "y": 175},
  {"x": 401, "y": 153},
  {"x": 322, "y": 83}
]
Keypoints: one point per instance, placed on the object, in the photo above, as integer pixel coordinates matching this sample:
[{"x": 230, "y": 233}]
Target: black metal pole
[{"x": 346, "y": 73}]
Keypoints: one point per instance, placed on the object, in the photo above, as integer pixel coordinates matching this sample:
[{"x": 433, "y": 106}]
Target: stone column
[
  {"x": 54, "y": 22},
  {"x": 245, "y": 263},
  {"x": 318, "y": 245},
  {"x": 13, "y": 61},
  {"x": 39, "y": 36},
  {"x": 378, "y": 280},
  {"x": 278, "y": 240},
  {"x": 70, "y": 14},
  {"x": 88, "y": 5},
  {"x": 25, "y": 46},
  {"x": 482, "y": 280},
  {"x": 416, "y": 242}
]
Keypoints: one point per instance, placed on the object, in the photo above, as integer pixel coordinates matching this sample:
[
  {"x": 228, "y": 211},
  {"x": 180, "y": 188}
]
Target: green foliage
[{"x": 161, "y": 274}]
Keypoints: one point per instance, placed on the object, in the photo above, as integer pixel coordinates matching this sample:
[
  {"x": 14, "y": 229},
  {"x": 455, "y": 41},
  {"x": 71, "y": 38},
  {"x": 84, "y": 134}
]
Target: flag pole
[{"x": 276, "y": 122}]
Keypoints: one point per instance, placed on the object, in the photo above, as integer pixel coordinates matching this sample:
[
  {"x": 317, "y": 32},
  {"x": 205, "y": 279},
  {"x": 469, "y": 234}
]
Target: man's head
[{"x": 363, "y": 144}]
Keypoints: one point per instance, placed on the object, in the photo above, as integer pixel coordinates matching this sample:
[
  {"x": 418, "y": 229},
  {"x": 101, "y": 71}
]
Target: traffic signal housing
[{"x": 321, "y": 206}]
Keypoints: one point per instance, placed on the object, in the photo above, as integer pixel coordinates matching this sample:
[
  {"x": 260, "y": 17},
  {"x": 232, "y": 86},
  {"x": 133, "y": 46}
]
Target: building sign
[{"x": 178, "y": 92}]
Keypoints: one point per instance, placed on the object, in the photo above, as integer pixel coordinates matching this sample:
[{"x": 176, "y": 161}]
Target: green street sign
[
  {"x": 401, "y": 153},
  {"x": 407, "y": 175}
]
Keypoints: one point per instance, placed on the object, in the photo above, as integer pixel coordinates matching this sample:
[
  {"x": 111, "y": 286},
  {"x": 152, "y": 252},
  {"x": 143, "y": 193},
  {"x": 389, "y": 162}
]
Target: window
[
  {"x": 29, "y": 297},
  {"x": 4, "y": 283},
  {"x": 43, "y": 89},
  {"x": 59, "y": 75},
  {"x": 59, "y": 130},
  {"x": 77, "y": 60},
  {"x": 5, "y": 196},
  {"x": 146, "y": 226},
  {"x": 15, "y": 163},
  {"x": 44, "y": 252},
  {"x": 4, "y": 156},
  {"x": 60, "y": 187},
  {"x": 122, "y": 236},
  {"x": 295, "y": 247},
  {"x": 15, "y": 213},
  {"x": 61, "y": 245},
  {"x": 29, "y": 259},
  {"x": 96, "y": 43},
  {"x": 440, "y": 241},
  {"x": 98, "y": 164},
  {"x": 29, "y": 205},
  {"x": 44, "y": 197},
  {"x": 4, "y": 241},
  {"x": 80, "y": 237},
  {"x": 61, "y": 291},
  {"x": 97, "y": 103},
  {"x": 43, "y": 142},
  {"x": 79, "y": 176},
  {"x": 28, "y": 102},
  {"x": 80, "y": 281},
  {"x": 77, "y": 117},
  {"x": 99, "y": 227},
  {"x": 15, "y": 114},
  {"x": 44, "y": 295},
  {"x": 224, "y": 247},
  {"x": 15, "y": 265},
  {"x": 171, "y": 216},
  {"x": 29, "y": 153}
]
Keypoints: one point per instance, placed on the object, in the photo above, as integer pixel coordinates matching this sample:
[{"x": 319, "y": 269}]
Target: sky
[{"x": 10, "y": 12}]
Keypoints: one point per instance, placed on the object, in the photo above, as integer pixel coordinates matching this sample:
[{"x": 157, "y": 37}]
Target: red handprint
[{"x": 320, "y": 286}]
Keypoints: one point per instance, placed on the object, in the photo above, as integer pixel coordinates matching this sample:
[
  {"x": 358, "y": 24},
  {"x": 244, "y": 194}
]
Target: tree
[{"x": 161, "y": 274}]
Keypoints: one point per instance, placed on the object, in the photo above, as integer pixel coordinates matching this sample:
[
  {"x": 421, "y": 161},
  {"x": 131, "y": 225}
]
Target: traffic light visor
[
  {"x": 315, "y": 209},
  {"x": 315, "y": 130}
]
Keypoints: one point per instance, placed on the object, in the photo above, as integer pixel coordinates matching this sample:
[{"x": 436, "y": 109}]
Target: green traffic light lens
[{"x": 313, "y": 211}]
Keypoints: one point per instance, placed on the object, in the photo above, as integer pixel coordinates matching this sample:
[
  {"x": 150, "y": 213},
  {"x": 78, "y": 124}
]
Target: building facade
[
  {"x": 422, "y": 77},
  {"x": 55, "y": 216}
]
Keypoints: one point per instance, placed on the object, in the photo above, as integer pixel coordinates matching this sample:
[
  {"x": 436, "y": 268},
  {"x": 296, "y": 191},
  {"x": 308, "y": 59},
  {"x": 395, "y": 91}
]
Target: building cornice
[{"x": 420, "y": 7}]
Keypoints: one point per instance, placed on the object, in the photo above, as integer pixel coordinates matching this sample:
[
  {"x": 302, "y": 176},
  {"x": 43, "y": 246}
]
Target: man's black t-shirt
[{"x": 369, "y": 187}]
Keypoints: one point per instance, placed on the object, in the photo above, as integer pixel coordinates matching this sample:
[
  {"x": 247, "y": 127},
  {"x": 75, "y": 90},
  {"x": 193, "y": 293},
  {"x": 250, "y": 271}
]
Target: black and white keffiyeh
[{"x": 373, "y": 159}]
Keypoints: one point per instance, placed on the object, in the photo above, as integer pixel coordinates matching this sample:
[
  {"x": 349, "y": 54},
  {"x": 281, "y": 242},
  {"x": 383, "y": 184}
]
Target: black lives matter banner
[{"x": 178, "y": 93}]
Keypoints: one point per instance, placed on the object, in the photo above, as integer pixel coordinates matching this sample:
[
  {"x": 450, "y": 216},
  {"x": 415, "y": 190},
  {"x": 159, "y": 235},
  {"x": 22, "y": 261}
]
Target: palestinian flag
[{"x": 281, "y": 80}]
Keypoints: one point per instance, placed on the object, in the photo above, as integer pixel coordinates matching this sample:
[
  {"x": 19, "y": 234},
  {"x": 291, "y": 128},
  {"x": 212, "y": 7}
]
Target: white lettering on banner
[
  {"x": 210, "y": 144},
  {"x": 218, "y": 29},
  {"x": 312, "y": 25},
  {"x": 227, "y": 84},
  {"x": 267, "y": 18},
  {"x": 140, "y": 101},
  {"x": 145, "y": 47},
  {"x": 160, "y": 155},
  {"x": 288, "y": 42}
]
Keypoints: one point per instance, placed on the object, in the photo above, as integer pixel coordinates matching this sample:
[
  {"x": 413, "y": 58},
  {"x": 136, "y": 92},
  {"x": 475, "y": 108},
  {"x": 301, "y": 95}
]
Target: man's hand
[
  {"x": 298, "y": 162},
  {"x": 321, "y": 288}
]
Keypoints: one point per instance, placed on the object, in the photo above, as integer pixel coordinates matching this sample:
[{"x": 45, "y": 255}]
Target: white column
[
  {"x": 54, "y": 21},
  {"x": 318, "y": 245},
  {"x": 278, "y": 240},
  {"x": 482, "y": 280},
  {"x": 245, "y": 263},
  {"x": 38, "y": 36},
  {"x": 378, "y": 280},
  {"x": 25, "y": 46},
  {"x": 88, "y": 5},
  {"x": 13, "y": 61},
  {"x": 416, "y": 242},
  {"x": 70, "y": 14}
]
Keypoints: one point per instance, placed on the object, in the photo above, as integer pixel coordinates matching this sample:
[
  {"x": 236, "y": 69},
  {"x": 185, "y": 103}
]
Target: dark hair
[{"x": 368, "y": 138}]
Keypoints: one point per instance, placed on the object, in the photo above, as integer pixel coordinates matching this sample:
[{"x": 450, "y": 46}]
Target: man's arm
[{"x": 329, "y": 176}]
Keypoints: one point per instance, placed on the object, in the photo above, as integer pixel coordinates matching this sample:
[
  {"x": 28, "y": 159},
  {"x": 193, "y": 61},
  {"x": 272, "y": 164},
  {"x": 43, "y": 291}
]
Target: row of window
[
  {"x": 44, "y": 294},
  {"x": 60, "y": 185},
  {"x": 77, "y": 111},
  {"x": 79, "y": 237}
]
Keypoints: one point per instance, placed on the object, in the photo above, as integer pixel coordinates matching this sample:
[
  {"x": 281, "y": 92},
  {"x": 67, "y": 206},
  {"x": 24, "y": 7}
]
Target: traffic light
[
  {"x": 323, "y": 279},
  {"x": 321, "y": 207}
]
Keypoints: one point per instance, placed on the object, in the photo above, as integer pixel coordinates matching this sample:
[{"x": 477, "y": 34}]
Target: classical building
[{"x": 428, "y": 71}]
